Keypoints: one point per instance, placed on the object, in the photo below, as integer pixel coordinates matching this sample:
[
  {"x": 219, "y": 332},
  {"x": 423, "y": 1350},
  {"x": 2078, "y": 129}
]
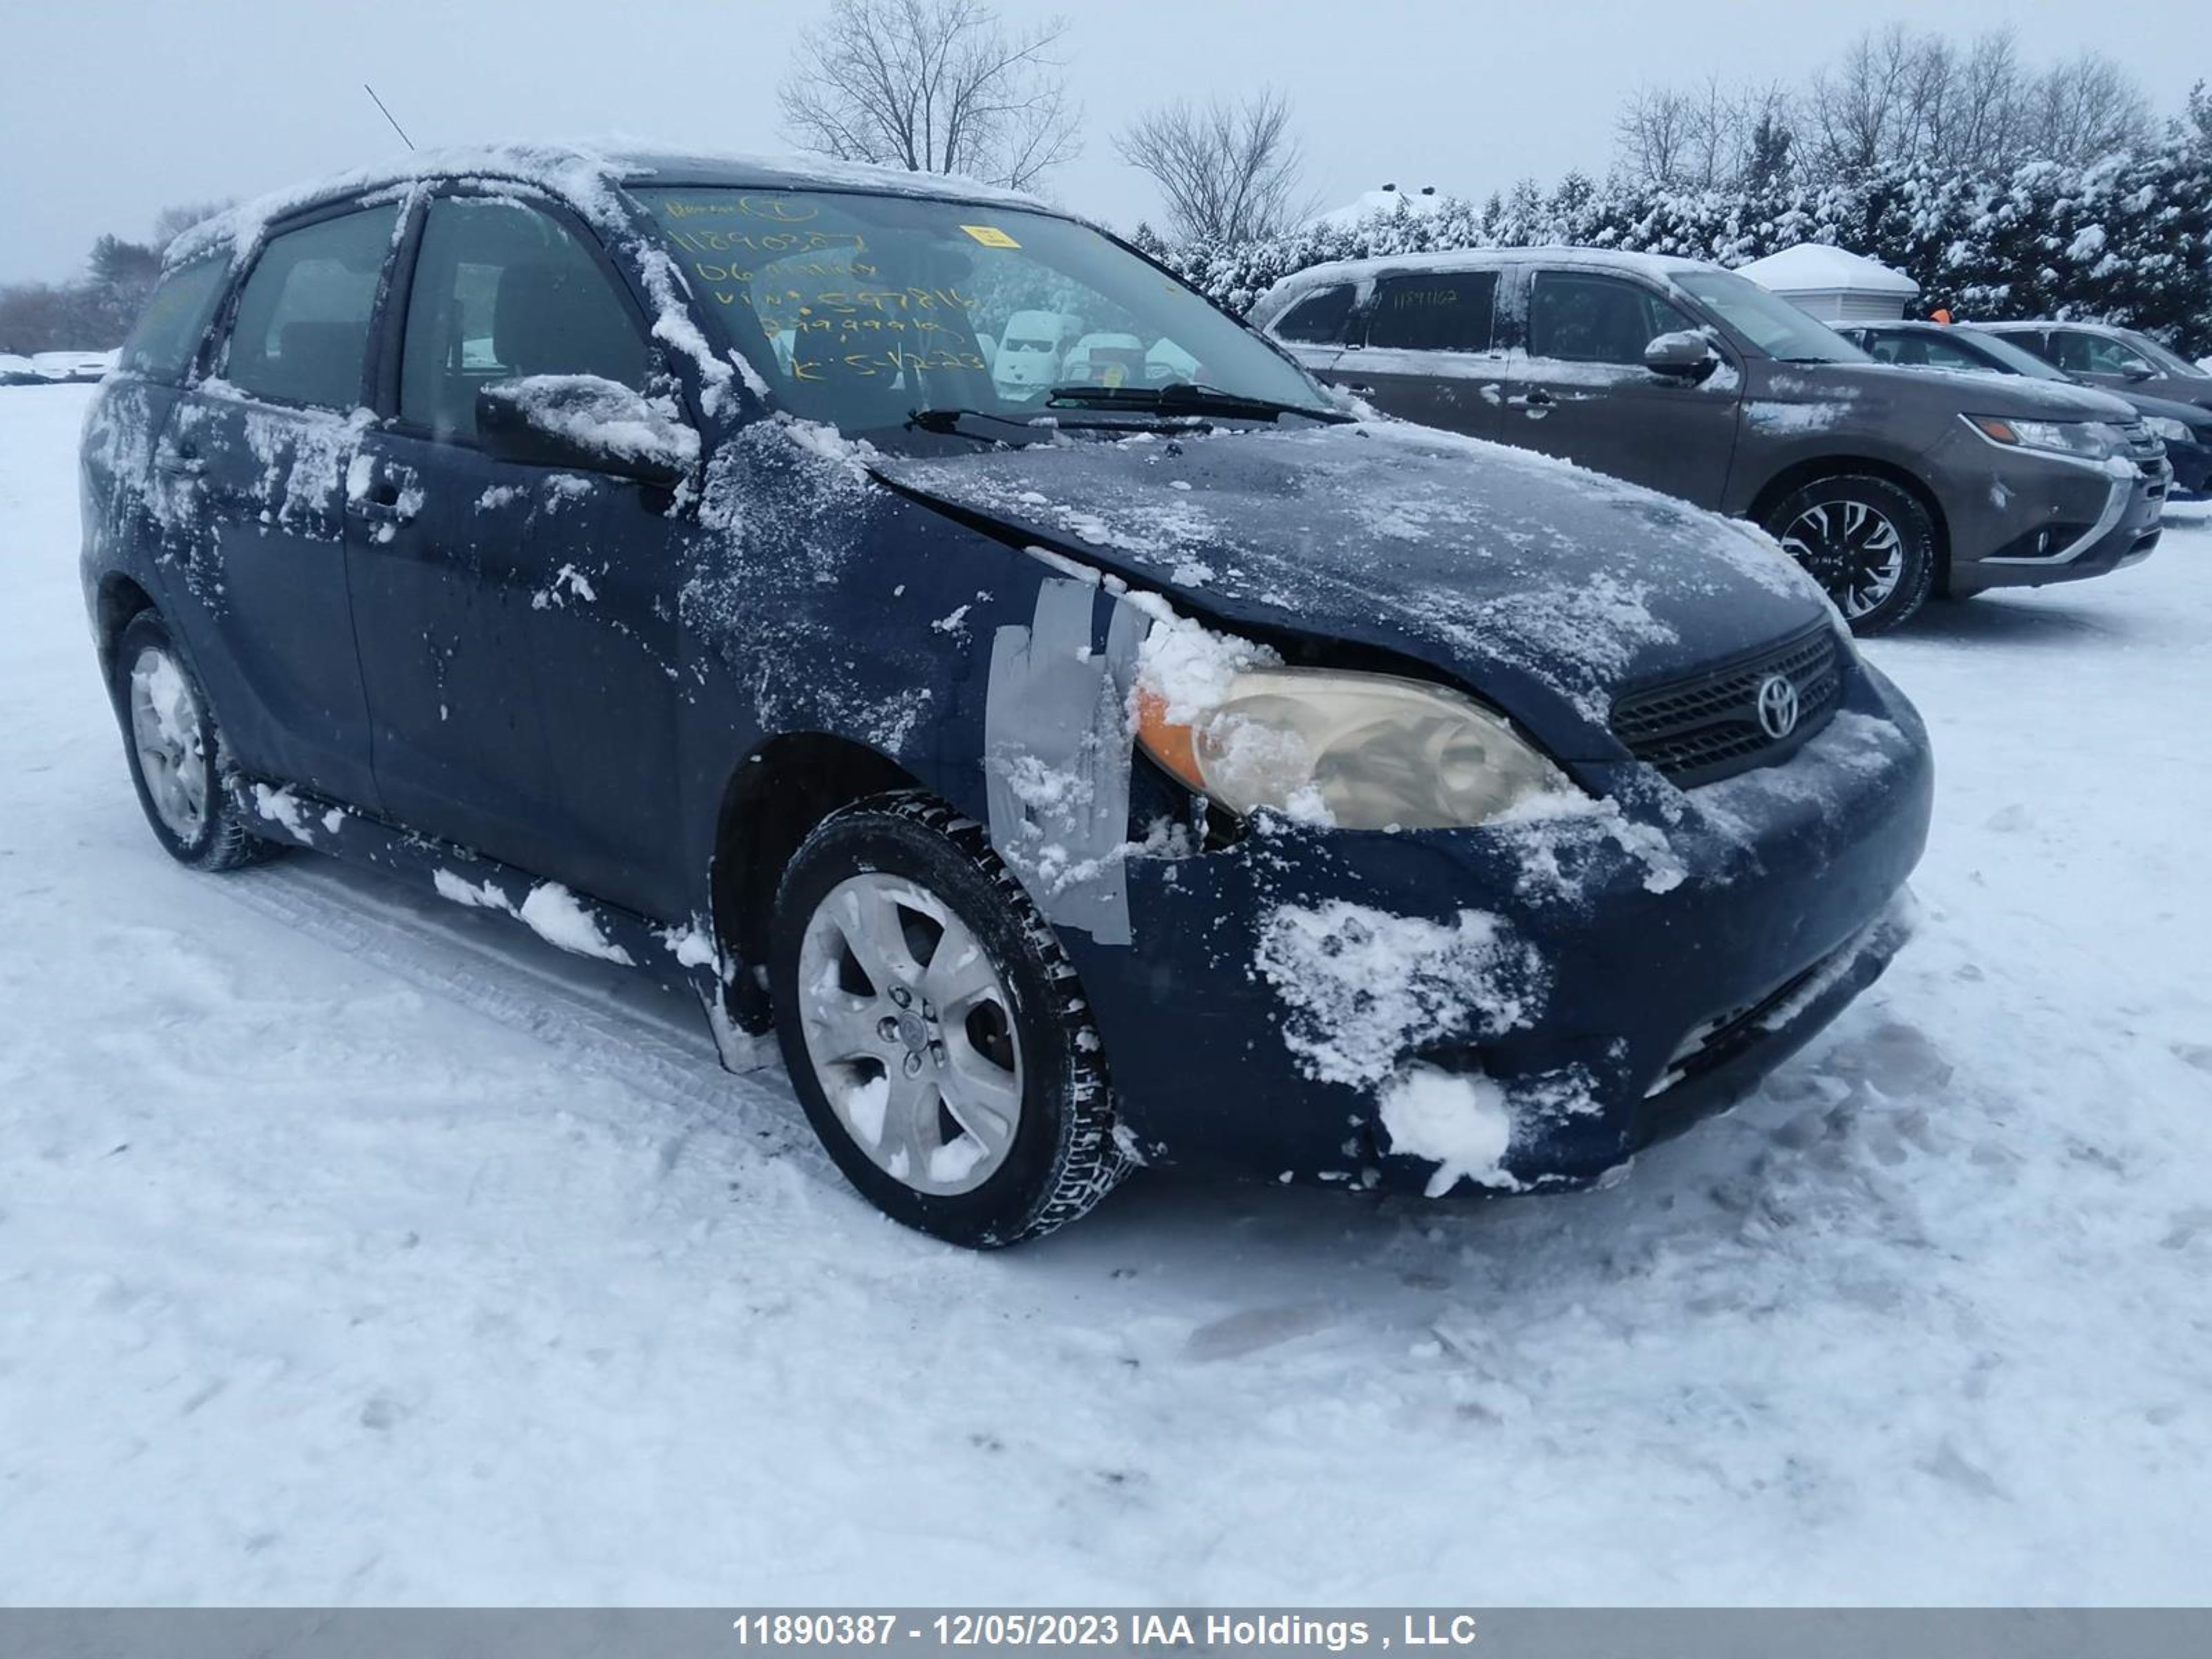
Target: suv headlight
[
  {"x": 2094, "y": 441},
  {"x": 1359, "y": 751},
  {"x": 2165, "y": 427}
]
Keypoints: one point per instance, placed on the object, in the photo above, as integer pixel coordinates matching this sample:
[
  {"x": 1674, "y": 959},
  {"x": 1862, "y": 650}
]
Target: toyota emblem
[{"x": 1778, "y": 706}]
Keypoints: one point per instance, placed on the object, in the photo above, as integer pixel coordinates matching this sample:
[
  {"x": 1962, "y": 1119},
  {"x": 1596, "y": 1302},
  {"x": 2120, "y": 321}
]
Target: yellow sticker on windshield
[{"x": 990, "y": 236}]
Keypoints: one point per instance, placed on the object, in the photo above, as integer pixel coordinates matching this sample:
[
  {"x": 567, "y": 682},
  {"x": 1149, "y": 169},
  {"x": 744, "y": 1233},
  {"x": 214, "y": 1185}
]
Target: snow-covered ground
[{"x": 356, "y": 1249}]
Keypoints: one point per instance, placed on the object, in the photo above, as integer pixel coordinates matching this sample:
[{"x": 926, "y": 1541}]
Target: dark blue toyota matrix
[{"x": 918, "y": 623}]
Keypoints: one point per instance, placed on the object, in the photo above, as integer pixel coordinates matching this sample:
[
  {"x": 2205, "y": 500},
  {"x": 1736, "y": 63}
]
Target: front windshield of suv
[
  {"x": 2018, "y": 359},
  {"x": 2172, "y": 363},
  {"x": 1767, "y": 320},
  {"x": 859, "y": 310}
]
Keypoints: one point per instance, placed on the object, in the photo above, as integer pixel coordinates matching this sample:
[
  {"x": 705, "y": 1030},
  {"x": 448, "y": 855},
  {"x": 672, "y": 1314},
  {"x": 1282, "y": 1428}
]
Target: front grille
[
  {"x": 2147, "y": 451},
  {"x": 1707, "y": 726}
]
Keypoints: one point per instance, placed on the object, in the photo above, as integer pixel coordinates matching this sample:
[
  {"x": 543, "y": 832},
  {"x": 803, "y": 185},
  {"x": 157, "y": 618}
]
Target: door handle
[
  {"x": 1538, "y": 398},
  {"x": 388, "y": 497},
  {"x": 178, "y": 463}
]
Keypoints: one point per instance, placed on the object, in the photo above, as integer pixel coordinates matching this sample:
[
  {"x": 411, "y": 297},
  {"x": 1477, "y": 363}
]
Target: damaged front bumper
[{"x": 1607, "y": 975}]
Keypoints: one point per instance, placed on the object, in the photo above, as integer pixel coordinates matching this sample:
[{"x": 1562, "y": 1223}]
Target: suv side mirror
[
  {"x": 2139, "y": 371},
  {"x": 1683, "y": 352},
  {"x": 583, "y": 421}
]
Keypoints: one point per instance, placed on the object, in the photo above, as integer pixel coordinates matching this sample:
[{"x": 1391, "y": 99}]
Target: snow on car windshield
[
  {"x": 1767, "y": 320},
  {"x": 858, "y": 309}
]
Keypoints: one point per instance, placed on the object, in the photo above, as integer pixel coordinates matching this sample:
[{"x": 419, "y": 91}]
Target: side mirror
[
  {"x": 2139, "y": 371},
  {"x": 583, "y": 421},
  {"x": 1683, "y": 352}
]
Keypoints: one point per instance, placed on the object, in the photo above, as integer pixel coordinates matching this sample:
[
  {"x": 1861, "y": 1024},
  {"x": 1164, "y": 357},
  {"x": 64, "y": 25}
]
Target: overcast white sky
[{"x": 111, "y": 109}]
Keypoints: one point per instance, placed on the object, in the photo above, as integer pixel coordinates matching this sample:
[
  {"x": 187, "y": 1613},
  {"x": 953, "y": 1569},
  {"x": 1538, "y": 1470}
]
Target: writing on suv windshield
[{"x": 861, "y": 311}]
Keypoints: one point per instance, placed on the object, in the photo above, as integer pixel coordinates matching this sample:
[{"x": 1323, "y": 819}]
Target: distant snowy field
[{"x": 356, "y": 1249}]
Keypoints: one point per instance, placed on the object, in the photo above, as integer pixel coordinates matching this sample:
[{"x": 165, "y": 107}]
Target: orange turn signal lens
[{"x": 1175, "y": 747}]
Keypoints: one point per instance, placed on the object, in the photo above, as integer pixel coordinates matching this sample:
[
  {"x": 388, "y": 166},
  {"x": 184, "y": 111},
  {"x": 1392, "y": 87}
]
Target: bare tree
[
  {"x": 1858, "y": 113},
  {"x": 1982, "y": 125},
  {"x": 1900, "y": 97},
  {"x": 1711, "y": 136},
  {"x": 2086, "y": 108},
  {"x": 1230, "y": 172},
  {"x": 933, "y": 85},
  {"x": 1716, "y": 134},
  {"x": 1652, "y": 136}
]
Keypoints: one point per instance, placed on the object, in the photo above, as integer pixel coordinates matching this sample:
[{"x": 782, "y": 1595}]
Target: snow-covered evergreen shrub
[{"x": 2128, "y": 240}]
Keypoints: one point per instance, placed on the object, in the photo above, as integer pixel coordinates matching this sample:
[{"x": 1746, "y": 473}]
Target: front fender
[{"x": 819, "y": 601}]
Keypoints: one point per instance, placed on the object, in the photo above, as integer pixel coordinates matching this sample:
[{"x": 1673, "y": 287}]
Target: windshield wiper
[
  {"x": 948, "y": 420},
  {"x": 1037, "y": 428},
  {"x": 1182, "y": 398}
]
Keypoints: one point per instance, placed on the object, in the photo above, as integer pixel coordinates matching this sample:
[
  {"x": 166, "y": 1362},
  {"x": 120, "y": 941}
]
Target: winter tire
[
  {"x": 934, "y": 1032},
  {"x": 1867, "y": 542},
  {"x": 175, "y": 751}
]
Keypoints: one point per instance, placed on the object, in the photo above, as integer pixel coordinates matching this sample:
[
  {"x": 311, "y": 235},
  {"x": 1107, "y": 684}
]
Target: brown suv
[{"x": 1887, "y": 484}]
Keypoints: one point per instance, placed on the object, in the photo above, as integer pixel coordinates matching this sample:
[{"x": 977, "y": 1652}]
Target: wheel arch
[
  {"x": 119, "y": 598},
  {"x": 1814, "y": 469},
  {"x": 770, "y": 803}
]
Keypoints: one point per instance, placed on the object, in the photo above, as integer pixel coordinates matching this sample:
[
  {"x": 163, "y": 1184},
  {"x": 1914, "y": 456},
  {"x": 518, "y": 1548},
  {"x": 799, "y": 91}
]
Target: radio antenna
[{"x": 386, "y": 114}]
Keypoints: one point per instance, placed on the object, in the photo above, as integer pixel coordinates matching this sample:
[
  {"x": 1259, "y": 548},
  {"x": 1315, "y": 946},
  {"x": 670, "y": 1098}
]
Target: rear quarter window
[
  {"x": 169, "y": 330},
  {"x": 1319, "y": 319}
]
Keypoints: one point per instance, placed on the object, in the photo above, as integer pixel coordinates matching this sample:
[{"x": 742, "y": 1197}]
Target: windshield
[
  {"x": 2158, "y": 354},
  {"x": 2016, "y": 359},
  {"x": 1767, "y": 320},
  {"x": 859, "y": 310}
]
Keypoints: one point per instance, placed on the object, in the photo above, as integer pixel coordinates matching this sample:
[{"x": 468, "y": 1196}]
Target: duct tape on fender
[{"x": 1057, "y": 754}]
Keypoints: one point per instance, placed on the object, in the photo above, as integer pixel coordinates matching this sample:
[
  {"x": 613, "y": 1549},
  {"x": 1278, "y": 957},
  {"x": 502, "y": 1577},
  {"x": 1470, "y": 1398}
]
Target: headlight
[
  {"x": 1360, "y": 751},
  {"x": 2174, "y": 431},
  {"x": 2094, "y": 441}
]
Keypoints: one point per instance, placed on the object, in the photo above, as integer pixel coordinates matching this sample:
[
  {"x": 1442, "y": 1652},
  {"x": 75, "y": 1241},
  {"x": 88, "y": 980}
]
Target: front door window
[
  {"x": 503, "y": 290},
  {"x": 1580, "y": 317}
]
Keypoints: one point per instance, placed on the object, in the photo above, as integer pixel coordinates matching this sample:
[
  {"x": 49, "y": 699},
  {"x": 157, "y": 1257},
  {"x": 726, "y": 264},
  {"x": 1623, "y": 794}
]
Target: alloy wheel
[
  {"x": 165, "y": 730},
  {"x": 1852, "y": 550},
  {"x": 910, "y": 1029}
]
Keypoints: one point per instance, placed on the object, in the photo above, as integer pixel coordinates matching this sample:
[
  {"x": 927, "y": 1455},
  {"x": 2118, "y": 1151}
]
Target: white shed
[{"x": 1835, "y": 285}]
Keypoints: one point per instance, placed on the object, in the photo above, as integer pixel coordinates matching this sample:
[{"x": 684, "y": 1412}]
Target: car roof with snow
[
  {"x": 1658, "y": 265},
  {"x": 587, "y": 174}
]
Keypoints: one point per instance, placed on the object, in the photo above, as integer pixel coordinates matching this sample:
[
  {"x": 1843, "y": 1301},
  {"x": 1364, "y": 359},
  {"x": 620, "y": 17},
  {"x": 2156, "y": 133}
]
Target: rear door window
[
  {"x": 1582, "y": 317},
  {"x": 301, "y": 332},
  {"x": 503, "y": 290},
  {"x": 1319, "y": 319},
  {"x": 169, "y": 330},
  {"x": 1445, "y": 311}
]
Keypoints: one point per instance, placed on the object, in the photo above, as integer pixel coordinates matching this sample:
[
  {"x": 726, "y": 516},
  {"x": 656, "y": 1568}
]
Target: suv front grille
[
  {"x": 1707, "y": 725},
  {"x": 2147, "y": 451}
]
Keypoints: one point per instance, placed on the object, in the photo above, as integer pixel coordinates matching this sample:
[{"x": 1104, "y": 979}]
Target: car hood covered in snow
[
  {"x": 1874, "y": 388},
  {"x": 1541, "y": 587}
]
